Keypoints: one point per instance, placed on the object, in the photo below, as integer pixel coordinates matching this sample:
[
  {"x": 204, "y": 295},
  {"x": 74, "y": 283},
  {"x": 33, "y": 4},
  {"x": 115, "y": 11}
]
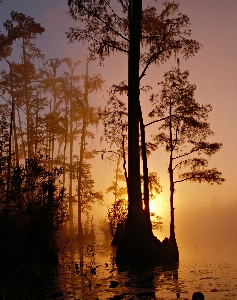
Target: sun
[{"x": 158, "y": 206}]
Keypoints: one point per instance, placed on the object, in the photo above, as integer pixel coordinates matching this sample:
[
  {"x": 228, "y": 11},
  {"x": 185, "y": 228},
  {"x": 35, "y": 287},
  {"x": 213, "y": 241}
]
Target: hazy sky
[{"x": 213, "y": 70}]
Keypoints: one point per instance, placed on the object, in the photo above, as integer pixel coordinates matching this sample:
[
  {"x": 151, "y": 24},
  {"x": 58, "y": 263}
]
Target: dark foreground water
[{"x": 88, "y": 272}]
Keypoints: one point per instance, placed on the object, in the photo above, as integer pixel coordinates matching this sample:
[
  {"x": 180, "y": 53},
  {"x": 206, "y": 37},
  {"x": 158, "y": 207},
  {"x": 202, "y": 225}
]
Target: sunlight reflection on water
[
  {"x": 91, "y": 274},
  {"x": 88, "y": 272}
]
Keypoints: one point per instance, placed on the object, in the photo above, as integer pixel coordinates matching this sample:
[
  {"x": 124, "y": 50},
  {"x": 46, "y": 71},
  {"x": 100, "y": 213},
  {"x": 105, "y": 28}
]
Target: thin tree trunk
[
  {"x": 173, "y": 243},
  {"x": 28, "y": 121},
  {"x": 54, "y": 66},
  {"x": 21, "y": 134},
  {"x": 49, "y": 136},
  {"x": 124, "y": 163},
  {"x": 15, "y": 137},
  {"x": 70, "y": 173},
  {"x": 36, "y": 127},
  {"x": 80, "y": 234},
  {"x": 116, "y": 180},
  {"x": 13, "y": 114},
  {"x": 9, "y": 164},
  {"x": 65, "y": 144},
  {"x": 145, "y": 167},
  {"x": 172, "y": 230},
  {"x": 171, "y": 175}
]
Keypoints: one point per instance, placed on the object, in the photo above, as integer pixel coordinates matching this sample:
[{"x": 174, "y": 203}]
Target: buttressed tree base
[{"x": 140, "y": 247}]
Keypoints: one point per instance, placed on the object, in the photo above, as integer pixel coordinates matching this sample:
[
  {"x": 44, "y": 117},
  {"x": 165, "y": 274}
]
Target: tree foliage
[
  {"x": 104, "y": 26},
  {"x": 183, "y": 130},
  {"x": 18, "y": 27}
]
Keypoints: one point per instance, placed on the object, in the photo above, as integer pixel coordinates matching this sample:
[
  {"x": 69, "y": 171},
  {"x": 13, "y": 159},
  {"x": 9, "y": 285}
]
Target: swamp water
[{"x": 89, "y": 272}]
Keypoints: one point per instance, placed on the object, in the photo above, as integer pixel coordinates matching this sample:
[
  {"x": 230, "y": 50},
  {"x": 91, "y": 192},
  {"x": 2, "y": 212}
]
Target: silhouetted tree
[
  {"x": 161, "y": 35},
  {"x": 89, "y": 117},
  {"x": 18, "y": 27},
  {"x": 18, "y": 83},
  {"x": 29, "y": 52},
  {"x": 88, "y": 196},
  {"x": 183, "y": 131},
  {"x": 11, "y": 88},
  {"x": 72, "y": 96},
  {"x": 54, "y": 86}
]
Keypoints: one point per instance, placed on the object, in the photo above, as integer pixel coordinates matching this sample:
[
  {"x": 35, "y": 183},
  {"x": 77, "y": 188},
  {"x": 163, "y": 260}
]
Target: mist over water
[
  {"x": 212, "y": 273},
  {"x": 88, "y": 271},
  {"x": 213, "y": 226}
]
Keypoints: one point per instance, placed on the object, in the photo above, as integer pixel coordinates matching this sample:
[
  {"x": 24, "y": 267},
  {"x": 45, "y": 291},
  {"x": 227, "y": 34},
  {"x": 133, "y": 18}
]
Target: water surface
[{"x": 88, "y": 272}]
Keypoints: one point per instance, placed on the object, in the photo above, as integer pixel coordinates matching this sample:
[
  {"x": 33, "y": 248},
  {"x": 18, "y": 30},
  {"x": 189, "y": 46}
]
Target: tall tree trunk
[
  {"x": 172, "y": 231},
  {"x": 15, "y": 136},
  {"x": 13, "y": 114},
  {"x": 173, "y": 243},
  {"x": 28, "y": 119},
  {"x": 138, "y": 244},
  {"x": 80, "y": 234},
  {"x": 145, "y": 168},
  {"x": 116, "y": 180},
  {"x": 70, "y": 172},
  {"x": 49, "y": 140},
  {"x": 65, "y": 143},
  {"x": 21, "y": 134},
  {"x": 36, "y": 127},
  {"x": 134, "y": 183},
  {"x": 54, "y": 115},
  {"x": 137, "y": 241},
  {"x": 9, "y": 164}
]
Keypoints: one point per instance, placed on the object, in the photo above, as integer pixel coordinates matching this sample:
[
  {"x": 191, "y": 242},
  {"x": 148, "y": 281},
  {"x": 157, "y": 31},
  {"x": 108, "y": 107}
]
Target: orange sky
[{"x": 213, "y": 70}]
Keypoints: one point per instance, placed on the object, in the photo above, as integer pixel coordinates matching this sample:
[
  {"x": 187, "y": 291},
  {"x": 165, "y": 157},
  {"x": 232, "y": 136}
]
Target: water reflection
[
  {"x": 148, "y": 282},
  {"x": 87, "y": 271}
]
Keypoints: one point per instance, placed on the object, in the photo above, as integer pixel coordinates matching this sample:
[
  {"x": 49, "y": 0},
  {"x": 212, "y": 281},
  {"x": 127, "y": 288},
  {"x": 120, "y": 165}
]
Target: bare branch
[
  {"x": 102, "y": 43},
  {"x": 125, "y": 6},
  {"x": 185, "y": 154},
  {"x": 90, "y": 12},
  {"x": 156, "y": 121},
  {"x": 122, "y": 20}
]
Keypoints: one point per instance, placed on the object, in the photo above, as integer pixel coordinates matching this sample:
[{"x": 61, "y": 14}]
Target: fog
[{"x": 213, "y": 227}]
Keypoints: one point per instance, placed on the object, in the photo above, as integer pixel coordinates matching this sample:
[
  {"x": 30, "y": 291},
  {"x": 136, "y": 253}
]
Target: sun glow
[{"x": 159, "y": 206}]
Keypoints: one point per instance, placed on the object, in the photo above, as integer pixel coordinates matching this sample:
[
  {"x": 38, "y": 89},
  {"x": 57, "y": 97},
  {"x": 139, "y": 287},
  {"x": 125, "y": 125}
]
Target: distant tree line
[{"x": 46, "y": 118}]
